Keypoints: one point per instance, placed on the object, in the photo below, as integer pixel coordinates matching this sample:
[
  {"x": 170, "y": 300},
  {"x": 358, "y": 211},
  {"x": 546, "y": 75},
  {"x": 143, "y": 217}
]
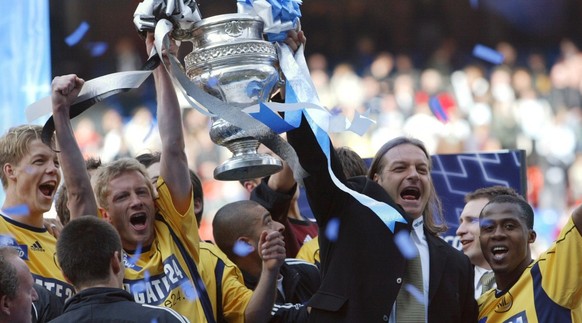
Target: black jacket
[
  {"x": 101, "y": 304},
  {"x": 362, "y": 270},
  {"x": 47, "y": 306},
  {"x": 300, "y": 281}
]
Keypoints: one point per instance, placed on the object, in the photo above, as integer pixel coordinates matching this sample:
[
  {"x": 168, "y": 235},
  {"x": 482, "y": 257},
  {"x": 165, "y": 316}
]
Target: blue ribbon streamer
[
  {"x": 387, "y": 214},
  {"x": 272, "y": 119}
]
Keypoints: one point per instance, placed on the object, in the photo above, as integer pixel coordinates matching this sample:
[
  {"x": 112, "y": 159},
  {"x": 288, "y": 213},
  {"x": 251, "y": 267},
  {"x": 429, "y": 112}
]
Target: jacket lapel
[{"x": 438, "y": 255}]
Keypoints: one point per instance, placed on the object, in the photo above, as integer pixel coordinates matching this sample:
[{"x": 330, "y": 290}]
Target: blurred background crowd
[{"x": 389, "y": 60}]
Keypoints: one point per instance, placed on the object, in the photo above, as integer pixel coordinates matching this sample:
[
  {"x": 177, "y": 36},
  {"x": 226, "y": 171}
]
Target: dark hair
[
  {"x": 433, "y": 215},
  {"x": 93, "y": 163},
  {"x": 85, "y": 248},
  {"x": 8, "y": 274},
  {"x": 232, "y": 221},
  {"x": 352, "y": 163},
  {"x": 61, "y": 197},
  {"x": 147, "y": 159},
  {"x": 198, "y": 193},
  {"x": 490, "y": 192},
  {"x": 527, "y": 212}
]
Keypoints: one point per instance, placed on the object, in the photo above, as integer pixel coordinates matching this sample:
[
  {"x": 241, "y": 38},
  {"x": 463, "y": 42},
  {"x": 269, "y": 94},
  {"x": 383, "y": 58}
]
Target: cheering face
[
  {"x": 36, "y": 177},
  {"x": 505, "y": 238},
  {"x": 131, "y": 209},
  {"x": 406, "y": 178},
  {"x": 468, "y": 231}
]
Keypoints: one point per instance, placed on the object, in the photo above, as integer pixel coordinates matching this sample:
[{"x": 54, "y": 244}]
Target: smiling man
[
  {"x": 468, "y": 233},
  {"x": 158, "y": 231},
  {"x": 373, "y": 288},
  {"x": 31, "y": 173},
  {"x": 548, "y": 289}
]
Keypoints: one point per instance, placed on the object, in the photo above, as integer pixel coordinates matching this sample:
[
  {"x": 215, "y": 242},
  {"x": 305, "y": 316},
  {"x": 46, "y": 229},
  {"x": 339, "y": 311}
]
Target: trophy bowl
[{"x": 233, "y": 63}]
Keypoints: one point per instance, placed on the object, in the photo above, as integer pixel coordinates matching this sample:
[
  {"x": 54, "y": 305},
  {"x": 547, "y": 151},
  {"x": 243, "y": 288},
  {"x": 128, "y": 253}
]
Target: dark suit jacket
[{"x": 362, "y": 270}]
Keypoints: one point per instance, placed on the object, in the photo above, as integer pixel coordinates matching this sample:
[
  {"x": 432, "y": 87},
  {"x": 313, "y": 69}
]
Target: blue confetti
[
  {"x": 437, "y": 109},
  {"x": 78, "y": 34},
  {"x": 417, "y": 294},
  {"x": 17, "y": 210},
  {"x": 332, "y": 229},
  {"x": 474, "y": 4},
  {"x": 97, "y": 48},
  {"x": 405, "y": 244},
  {"x": 254, "y": 89},
  {"x": 488, "y": 54},
  {"x": 201, "y": 284},
  {"x": 146, "y": 275},
  {"x": 242, "y": 249},
  {"x": 189, "y": 291},
  {"x": 485, "y": 223},
  {"x": 133, "y": 260},
  {"x": 212, "y": 82},
  {"x": 154, "y": 321},
  {"x": 139, "y": 287}
]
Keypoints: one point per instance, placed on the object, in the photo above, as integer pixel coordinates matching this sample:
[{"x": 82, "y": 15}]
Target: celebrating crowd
[
  {"x": 529, "y": 102},
  {"x": 130, "y": 249}
]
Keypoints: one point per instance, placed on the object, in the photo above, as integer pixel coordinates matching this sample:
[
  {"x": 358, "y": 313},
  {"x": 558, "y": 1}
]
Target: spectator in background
[
  {"x": 88, "y": 139},
  {"x": 127, "y": 57},
  {"x": 468, "y": 233},
  {"x": 16, "y": 288},
  {"x": 114, "y": 145},
  {"x": 141, "y": 132}
]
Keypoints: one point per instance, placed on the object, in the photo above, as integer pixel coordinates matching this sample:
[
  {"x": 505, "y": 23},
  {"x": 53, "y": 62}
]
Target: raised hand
[
  {"x": 272, "y": 250},
  {"x": 65, "y": 90},
  {"x": 295, "y": 38}
]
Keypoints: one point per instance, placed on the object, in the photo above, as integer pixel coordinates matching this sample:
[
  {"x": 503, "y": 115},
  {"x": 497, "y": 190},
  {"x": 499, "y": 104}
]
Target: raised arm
[
  {"x": 325, "y": 198},
  {"x": 81, "y": 200},
  {"x": 173, "y": 164},
  {"x": 282, "y": 181}
]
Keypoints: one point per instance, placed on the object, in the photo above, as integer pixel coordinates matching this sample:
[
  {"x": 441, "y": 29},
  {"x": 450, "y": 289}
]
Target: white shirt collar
[{"x": 417, "y": 226}]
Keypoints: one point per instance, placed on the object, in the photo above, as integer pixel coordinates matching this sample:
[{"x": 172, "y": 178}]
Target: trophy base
[{"x": 248, "y": 166}]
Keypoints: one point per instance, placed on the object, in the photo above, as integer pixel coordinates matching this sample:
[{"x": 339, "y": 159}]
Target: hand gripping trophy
[{"x": 230, "y": 61}]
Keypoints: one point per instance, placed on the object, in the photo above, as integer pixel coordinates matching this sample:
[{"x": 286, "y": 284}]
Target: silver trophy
[{"x": 233, "y": 63}]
